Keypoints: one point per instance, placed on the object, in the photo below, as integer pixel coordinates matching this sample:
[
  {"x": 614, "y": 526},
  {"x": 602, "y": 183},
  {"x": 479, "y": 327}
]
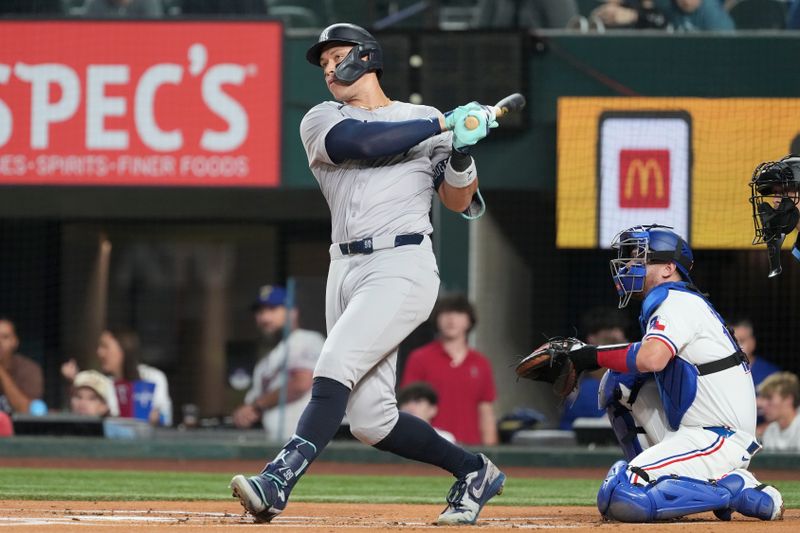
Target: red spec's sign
[{"x": 140, "y": 103}]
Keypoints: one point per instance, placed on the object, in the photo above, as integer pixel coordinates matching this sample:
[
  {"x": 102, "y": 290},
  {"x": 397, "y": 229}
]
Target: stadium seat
[
  {"x": 296, "y": 16},
  {"x": 302, "y": 13},
  {"x": 227, "y": 7},
  {"x": 31, "y": 7},
  {"x": 585, "y": 7},
  {"x": 759, "y": 14}
]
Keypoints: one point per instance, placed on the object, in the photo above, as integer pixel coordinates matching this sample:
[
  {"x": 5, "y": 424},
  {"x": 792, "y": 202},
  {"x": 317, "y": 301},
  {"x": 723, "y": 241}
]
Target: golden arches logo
[{"x": 643, "y": 170}]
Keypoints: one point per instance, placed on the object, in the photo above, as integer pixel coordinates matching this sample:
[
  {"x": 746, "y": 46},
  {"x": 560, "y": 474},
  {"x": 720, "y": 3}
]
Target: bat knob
[{"x": 471, "y": 123}]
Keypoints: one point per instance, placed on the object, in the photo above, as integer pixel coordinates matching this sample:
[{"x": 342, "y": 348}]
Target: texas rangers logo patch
[{"x": 656, "y": 324}]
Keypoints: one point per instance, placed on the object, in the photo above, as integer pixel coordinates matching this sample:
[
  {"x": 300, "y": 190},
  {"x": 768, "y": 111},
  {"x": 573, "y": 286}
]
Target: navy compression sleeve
[{"x": 353, "y": 139}]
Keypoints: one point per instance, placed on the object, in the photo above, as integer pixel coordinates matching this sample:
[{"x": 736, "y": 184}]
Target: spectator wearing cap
[
  {"x": 93, "y": 394},
  {"x": 21, "y": 379},
  {"x": 460, "y": 375},
  {"x": 300, "y": 350}
]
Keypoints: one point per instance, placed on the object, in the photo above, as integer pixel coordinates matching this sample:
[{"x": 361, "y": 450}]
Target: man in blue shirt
[
  {"x": 602, "y": 326},
  {"x": 760, "y": 368},
  {"x": 696, "y": 15}
]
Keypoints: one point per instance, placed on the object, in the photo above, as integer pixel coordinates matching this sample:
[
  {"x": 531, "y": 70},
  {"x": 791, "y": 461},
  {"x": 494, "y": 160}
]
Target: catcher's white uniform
[{"x": 699, "y": 413}]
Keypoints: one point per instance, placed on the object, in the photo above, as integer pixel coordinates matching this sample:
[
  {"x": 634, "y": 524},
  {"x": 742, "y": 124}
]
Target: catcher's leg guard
[
  {"x": 616, "y": 475},
  {"x": 625, "y": 429},
  {"x": 615, "y": 388},
  {"x": 667, "y": 497},
  {"x": 760, "y": 501}
]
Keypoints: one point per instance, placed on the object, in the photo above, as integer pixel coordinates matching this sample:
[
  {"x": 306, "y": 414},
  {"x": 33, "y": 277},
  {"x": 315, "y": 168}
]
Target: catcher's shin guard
[
  {"x": 761, "y": 501},
  {"x": 667, "y": 497}
]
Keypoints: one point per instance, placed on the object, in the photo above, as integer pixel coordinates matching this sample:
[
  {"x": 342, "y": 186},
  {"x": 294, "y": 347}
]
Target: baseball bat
[{"x": 512, "y": 102}]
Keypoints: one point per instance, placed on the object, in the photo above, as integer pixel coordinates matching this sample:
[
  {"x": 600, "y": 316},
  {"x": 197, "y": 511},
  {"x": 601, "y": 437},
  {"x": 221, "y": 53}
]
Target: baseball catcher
[
  {"x": 774, "y": 195},
  {"x": 686, "y": 386}
]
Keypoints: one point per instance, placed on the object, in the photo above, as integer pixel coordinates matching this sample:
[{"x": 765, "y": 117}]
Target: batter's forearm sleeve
[{"x": 353, "y": 139}]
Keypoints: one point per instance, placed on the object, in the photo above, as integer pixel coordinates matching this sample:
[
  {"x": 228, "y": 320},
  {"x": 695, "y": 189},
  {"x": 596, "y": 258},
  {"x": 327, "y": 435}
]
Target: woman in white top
[{"x": 117, "y": 353}]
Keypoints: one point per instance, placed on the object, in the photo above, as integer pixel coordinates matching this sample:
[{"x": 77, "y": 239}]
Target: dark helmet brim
[
  {"x": 315, "y": 52},
  {"x": 342, "y": 33}
]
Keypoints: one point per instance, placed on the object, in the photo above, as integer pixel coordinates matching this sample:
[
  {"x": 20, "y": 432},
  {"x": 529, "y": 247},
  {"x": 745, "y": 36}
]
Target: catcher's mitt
[{"x": 550, "y": 363}]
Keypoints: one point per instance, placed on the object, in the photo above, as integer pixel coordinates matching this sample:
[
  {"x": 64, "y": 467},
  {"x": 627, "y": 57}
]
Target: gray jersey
[{"x": 383, "y": 196}]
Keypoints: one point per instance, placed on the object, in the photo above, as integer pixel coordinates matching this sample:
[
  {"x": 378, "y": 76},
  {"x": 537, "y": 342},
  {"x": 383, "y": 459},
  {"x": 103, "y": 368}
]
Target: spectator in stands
[
  {"x": 778, "y": 399},
  {"x": 420, "y": 400},
  {"x": 526, "y": 13},
  {"x": 696, "y": 15},
  {"x": 633, "y": 14},
  {"x": 760, "y": 368},
  {"x": 6, "y": 426},
  {"x": 460, "y": 375},
  {"x": 601, "y": 326},
  {"x": 680, "y": 15},
  {"x": 793, "y": 18},
  {"x": 21, "y": 379},
  {"x": 118, "y": 355},
  {"x": 300, "y": 351},
  {"x": 31, "y": 7},
  {"x": 224, "y": 7},
  {"x": 92, "y": 394},
  {"x": 124, "y": 9}
]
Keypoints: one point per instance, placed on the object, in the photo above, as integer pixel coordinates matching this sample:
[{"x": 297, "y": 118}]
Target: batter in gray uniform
[{"x": 378, "y": 163}]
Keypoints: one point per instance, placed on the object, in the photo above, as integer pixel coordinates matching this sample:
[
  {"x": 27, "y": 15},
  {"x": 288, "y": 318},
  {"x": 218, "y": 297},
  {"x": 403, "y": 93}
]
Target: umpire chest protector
[{"x": 677, "y": 382}]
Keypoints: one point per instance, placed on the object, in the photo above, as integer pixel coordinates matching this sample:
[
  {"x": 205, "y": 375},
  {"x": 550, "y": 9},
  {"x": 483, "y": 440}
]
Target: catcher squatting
[{"x": 681, "y": 401}]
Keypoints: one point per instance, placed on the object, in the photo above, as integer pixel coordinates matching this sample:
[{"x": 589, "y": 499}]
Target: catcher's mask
[
  {"x": 642, "y": 245},
  {"x": 352, "y": 66},
  {"x": 774, "y": 197}
]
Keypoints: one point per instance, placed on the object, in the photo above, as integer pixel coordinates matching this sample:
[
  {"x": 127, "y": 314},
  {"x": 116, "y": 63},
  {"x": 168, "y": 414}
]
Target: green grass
[{"x": 56, "y": 484}]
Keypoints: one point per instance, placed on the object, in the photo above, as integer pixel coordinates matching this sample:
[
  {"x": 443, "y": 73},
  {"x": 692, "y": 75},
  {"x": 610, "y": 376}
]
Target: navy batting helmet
[
  {"x": 774, "y": 197},
  {"x": 642, "y": 245},
  {"x": 352, "y": 67}
]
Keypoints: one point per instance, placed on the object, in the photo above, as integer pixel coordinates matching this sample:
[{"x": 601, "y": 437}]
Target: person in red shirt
[{"x": 460, "y": 375}]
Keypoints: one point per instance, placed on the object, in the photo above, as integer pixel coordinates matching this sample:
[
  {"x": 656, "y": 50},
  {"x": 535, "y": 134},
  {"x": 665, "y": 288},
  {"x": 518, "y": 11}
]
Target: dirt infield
[
  {"x": 181, "y": 517},
  {"x": 184, "y": 517}
]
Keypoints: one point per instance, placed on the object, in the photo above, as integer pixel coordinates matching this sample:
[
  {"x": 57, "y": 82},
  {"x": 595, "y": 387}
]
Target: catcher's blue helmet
[
  {"x": 642, "y": 245},
  {"x": 364, "y": 44}
]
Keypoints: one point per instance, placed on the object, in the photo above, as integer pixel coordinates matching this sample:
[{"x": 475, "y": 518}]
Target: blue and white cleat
[
  {"x": 260, "y": 496},
  {"x": 470, "y": 493}
]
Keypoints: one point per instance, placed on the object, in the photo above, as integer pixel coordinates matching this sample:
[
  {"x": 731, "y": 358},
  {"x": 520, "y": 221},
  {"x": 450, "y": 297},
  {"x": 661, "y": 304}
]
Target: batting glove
[{"x": 464, "y": 137}]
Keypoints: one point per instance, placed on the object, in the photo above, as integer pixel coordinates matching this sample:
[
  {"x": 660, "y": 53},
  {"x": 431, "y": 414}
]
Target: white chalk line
[{"x": 119, "y": 517}]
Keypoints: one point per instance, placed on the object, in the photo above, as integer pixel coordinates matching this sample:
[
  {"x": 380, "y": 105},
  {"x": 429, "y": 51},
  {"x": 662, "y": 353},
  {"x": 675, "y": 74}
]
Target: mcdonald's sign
[{"x": 644, "y": 179}]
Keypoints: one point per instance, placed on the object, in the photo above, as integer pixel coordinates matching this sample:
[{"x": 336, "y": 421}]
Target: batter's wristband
[
  {"x": 619, "y": 357},
  {"x": 461, "y": 179}
]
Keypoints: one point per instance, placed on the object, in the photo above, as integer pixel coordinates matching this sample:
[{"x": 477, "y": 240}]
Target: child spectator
[
  {"x": 93, "y": 395},
  {"x": 420, "y": 400}
]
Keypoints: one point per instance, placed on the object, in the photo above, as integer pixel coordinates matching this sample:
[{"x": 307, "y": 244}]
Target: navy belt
[{"x": 367, "y": 246}]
